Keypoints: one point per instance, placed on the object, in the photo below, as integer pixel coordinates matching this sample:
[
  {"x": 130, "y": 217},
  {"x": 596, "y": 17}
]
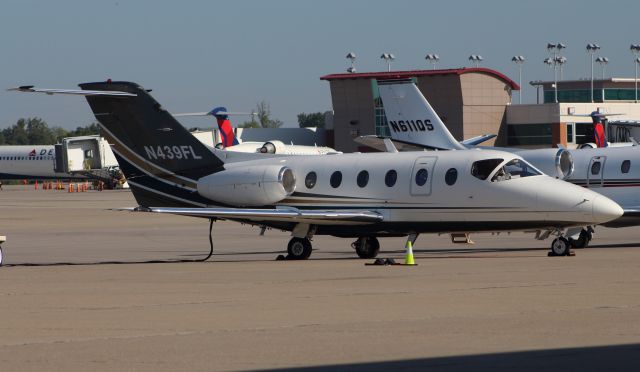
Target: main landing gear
[
  {"x": 366, "y": 246},
  {"x": 299, "y": 249}
]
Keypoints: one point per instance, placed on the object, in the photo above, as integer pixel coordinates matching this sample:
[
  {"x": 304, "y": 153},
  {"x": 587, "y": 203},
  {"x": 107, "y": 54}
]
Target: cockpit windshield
[
  {"x": 516, "y": 168},
  {"x": 483, "y": 168}
]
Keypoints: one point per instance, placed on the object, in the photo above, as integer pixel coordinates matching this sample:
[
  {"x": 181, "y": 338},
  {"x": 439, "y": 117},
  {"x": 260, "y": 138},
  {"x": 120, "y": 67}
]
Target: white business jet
[
  {"x": 362, "y": 196},
  {"x": 613, "y": 172}
]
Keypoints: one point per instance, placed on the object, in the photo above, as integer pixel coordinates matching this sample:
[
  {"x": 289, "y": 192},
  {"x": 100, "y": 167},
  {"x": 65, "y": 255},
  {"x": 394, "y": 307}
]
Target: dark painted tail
[{"x": 161, "y": 160}]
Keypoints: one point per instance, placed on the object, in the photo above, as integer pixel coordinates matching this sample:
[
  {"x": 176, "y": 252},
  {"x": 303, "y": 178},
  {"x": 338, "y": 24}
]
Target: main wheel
[
  {"x": 0, "y": 256},
  {"x": 560, "y": 247},
  {"x": 582, "y": 241},
  {"x": 367, "y": 247},
  {"x": 299, "y": 248}
]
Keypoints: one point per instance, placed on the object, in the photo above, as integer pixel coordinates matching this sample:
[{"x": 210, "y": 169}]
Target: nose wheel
[
  {"x": 560, "y": 247},
  {"x": 366, "y": 246}
]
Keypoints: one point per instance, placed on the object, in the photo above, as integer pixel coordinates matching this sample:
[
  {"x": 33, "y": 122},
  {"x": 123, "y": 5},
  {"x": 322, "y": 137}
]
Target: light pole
[
  {"x": 433, "y": 59},
  {"x": 635, "y": 49},
  {"x": 475, "y": 58},
  {"x": 555, "y": 61},
  {"x": 591, "y": 49},
  {"x": 351, "y": 57},
  {"x": 519, "y": 61},
  {"x": 561, "y": 61},
  {"x": 388, "y": 57},
  {"x": 603, "y": 63}
]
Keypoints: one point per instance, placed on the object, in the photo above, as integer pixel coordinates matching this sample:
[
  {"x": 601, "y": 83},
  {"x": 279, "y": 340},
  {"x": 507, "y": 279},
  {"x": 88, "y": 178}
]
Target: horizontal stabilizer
[
  {"x": 474, "y": 141},
  {"x": 77, "y": 92},
  {"x": 228, "y": 113}
]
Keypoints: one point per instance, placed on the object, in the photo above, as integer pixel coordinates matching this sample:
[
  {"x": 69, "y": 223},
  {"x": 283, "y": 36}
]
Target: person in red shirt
[{"x": 598, "y": 130}]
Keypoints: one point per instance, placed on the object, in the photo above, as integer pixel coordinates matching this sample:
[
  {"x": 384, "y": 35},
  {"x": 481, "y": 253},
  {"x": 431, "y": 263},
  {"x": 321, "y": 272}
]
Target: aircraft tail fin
[
  {"x": 411, "y": 118},
  {"x": 224, "y": 125},
  {"x": 161, "y": 160}
]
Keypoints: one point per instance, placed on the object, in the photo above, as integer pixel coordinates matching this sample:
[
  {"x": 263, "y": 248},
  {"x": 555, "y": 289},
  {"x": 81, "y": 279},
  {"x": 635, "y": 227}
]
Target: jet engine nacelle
[
  {"x": 273, "y": 147},
  {"x": 556, "y": 163},
  {"x": 249, "y": 186}
]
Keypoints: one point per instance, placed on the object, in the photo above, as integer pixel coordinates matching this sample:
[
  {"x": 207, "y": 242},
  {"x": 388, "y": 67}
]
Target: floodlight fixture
[
  {"x": 433, "y": 59},
  {"x": 388, "y": 58},
  {"x": 351, "y": 57}
]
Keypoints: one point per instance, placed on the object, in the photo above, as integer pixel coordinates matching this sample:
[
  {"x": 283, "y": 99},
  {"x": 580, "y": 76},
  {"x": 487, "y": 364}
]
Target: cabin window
[
  {"x": 626, "y": 165},
  {"x": 421, "y": 177},
  {"x": 595, "y": 168},
  {"x": 363, "y": 178},
  {"x": 482, "y": 169},
  {"x": 336, "y": 179},
  {"x": 516, "y": 168},
  {"x": 451, "y": 177},
  {"x": 310, "y": 180},
  {"x": 390, "y": 178}
]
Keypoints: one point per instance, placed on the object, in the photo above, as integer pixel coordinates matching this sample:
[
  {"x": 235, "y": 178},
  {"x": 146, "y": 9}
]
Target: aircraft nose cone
[{"x": 605, "y": 210}]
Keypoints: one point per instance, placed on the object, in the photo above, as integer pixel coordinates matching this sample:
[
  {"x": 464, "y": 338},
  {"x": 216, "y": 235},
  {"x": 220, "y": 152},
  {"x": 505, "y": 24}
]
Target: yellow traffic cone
[{"x": 408, "y": 258}]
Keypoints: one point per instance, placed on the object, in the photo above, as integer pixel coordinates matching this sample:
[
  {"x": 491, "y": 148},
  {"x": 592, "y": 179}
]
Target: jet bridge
[{"x": 90, "y": 156}]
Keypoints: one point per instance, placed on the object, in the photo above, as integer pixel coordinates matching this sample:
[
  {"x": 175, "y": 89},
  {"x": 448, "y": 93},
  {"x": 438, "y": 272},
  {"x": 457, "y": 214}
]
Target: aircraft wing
[
  {"x": 317, "y": 217},
  {"x": 474, "y": 141}
]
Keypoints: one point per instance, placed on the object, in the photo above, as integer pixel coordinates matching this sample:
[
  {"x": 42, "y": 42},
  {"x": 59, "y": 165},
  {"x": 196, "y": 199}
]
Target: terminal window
[{"x": 528, "y": 134}]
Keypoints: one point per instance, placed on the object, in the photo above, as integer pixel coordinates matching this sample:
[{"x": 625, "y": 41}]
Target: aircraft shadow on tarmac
[
  {"x": 438, "y": 253},
  {"x": 599, "y": 358},
  {"x": 348, "y": 255}
]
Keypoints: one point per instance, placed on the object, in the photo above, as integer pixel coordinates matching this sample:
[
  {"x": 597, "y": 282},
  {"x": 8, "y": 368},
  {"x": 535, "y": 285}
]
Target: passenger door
[
  {"x": 595, "y": 172},
  {"x": 422, "y": 175}
]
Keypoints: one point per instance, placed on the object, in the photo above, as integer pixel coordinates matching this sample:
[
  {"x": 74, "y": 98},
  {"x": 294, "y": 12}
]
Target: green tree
[
  {"x": 88, "y": 130},
  {"x": 17, "y": 133},
  {"x": 264, "y": 116},
  {"x": 38, "y": 132},
  {"x": 314, "y": 119}
]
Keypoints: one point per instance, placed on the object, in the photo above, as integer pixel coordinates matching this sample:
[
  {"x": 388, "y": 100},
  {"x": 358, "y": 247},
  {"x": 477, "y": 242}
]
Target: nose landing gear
[{"x": 560, "y": 247}]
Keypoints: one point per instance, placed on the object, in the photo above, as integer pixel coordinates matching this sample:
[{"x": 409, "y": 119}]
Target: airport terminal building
[
  {"x": 548, "y": 123},
  {"x": 470, "y": 101},
  {"x": 476, "y": 101}
]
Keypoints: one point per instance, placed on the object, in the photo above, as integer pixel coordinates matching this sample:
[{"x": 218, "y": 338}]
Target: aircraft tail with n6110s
[{"x": 411, "y": 118}]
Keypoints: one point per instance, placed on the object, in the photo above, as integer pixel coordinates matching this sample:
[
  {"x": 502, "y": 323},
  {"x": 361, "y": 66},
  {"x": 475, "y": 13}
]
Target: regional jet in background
[
  {"x": 610, "y": 171},
  {"x": 30, "y": 162},
  {"x": 362, "y": 196},
  {"x": 231, "y": 142}
]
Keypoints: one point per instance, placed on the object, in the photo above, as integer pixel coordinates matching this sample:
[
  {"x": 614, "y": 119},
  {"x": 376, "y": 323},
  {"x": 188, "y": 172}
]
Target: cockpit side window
[
  {"x": 516, "y": 168},
  {"x": 483, "y": 168}
]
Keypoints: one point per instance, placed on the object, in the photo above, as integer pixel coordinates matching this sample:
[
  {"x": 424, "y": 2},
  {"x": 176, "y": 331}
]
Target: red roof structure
[{"x": 408, "y": 74}]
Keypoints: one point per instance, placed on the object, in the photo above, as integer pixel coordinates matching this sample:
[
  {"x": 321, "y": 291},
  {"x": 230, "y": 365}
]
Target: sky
[{"x": 197, "y": 55}]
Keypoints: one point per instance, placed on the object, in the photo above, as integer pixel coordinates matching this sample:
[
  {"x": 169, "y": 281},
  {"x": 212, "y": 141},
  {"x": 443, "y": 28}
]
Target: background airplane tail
[
  {"x": 161, "y": 160},
  {"x": 411, "y": 118},
  {"x": 224, "y": 125}
]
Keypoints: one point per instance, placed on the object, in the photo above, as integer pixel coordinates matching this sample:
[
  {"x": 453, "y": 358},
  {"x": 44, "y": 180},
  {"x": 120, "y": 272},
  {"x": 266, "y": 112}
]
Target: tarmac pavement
[{"x": 76, "y": 294}]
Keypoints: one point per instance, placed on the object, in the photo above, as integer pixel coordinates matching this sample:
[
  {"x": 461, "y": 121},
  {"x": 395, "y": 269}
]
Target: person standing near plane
[{"x": 598, "y": 130}]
